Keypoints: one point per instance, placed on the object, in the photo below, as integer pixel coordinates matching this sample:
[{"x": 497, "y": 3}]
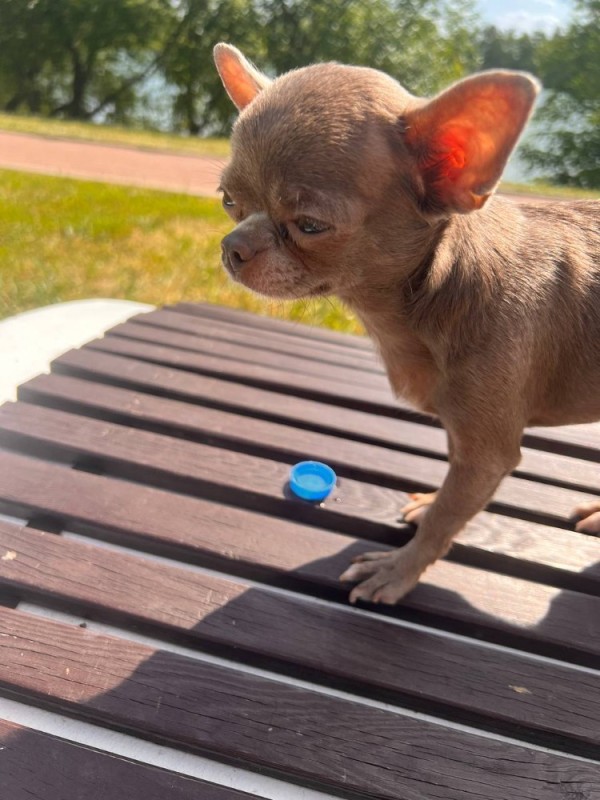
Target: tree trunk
[
  {"x": 190, "y": 112},
  {"x": 14, "y": 102},
  {"x": 76, "y": 107}
]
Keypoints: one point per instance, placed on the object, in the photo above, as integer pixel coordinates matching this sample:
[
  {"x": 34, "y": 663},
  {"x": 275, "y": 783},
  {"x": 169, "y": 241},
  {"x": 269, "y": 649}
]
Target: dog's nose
[{"x": 237, "y": 250}]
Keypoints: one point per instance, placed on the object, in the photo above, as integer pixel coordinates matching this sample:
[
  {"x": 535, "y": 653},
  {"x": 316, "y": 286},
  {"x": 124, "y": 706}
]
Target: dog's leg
[
  {"x": 589, "y": 517},
  {"x": 477, "y": 467},
  {"x": 414, "y": 511}
]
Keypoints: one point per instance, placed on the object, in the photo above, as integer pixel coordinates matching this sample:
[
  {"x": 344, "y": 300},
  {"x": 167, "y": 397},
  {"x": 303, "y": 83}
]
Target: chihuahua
[{"x": 486, "y": 313}]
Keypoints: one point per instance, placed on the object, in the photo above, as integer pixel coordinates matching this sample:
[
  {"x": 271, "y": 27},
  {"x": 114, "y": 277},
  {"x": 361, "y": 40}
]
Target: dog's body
[
  {"x": 343, "y": 183},
  {"x": 502, "y": 307}
]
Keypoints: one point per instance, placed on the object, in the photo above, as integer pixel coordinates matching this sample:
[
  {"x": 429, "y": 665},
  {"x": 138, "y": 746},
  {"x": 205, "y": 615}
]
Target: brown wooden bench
[{"x": 157, "y": 579}]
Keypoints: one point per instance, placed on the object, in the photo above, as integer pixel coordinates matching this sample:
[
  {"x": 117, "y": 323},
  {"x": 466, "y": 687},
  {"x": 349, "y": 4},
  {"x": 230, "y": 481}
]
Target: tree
[
  {"x": 423, "y": 43},
  {"x": 93, "y": 36},
  {"x": 567, "y": 141},
  {"x": 509, "y": 50},
  {"x": 88, "y": 58},
  {"x": 67, "y": 57},
  {"x": 200, "y": 103},
  {"x": 25, "y": 50}
]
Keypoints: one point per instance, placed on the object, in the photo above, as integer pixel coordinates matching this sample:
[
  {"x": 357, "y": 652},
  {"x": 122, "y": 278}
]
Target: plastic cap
[{"x": 312, "y": 480}]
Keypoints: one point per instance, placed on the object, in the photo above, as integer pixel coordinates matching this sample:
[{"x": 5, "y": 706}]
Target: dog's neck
[
  {"x": 383, "y": 310},
  {"x": 455, "y": 269},
  {"x": 449, "y": 284}
]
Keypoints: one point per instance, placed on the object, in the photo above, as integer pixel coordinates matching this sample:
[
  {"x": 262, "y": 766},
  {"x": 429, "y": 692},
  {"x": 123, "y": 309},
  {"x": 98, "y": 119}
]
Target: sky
[{"x": 526, "y": 16}]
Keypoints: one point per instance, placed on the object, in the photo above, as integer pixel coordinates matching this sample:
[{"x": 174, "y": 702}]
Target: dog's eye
[
  {"x": 309, "y": 225},
  {"x": 227, "y": 201}
]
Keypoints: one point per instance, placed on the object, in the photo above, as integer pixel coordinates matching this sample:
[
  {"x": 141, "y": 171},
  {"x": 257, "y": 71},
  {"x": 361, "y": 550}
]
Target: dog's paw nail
[
  {"x": 350, "y": 574},
  {"x": 589, "y": 524}
]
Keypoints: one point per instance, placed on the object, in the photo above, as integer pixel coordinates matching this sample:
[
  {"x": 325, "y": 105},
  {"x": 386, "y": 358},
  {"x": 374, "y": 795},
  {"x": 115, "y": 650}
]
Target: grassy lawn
[
  {"x": 112, "y": 134},
  {"x": 63, "y": 239},
  {"x": 539, "y": 188}
]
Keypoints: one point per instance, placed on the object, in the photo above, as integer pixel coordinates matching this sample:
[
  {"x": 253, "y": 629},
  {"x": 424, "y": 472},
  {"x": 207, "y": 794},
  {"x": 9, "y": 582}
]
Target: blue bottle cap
[{"x": 312, "y": 480}]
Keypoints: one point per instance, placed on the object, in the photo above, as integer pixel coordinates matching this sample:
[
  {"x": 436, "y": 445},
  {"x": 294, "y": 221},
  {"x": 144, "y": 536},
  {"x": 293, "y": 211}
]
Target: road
[{"x": 130, "y": 166}]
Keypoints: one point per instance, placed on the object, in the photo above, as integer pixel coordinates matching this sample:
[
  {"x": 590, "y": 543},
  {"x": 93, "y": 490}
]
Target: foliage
[
  {"x": 83, "y": 58},
  {"x": 424, "y": 43},
  {"x": 200, "y": 102},
  {"x": 68, "y": 57},
  {"x": 98, "y": 60},
  {"x": 509, "y": 50},
  {"x": 399, "y": 37},
  {"x": 567, "y": 146}
]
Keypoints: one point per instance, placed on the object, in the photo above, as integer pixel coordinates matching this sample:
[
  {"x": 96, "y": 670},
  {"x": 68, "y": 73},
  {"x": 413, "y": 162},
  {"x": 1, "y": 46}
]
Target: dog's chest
[
  {"x": 410, "y": 366},
  {"x": 413, "y": 380}
]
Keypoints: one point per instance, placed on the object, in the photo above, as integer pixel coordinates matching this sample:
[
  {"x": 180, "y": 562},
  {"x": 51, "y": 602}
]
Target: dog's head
[{"x": 338, "y": 174}]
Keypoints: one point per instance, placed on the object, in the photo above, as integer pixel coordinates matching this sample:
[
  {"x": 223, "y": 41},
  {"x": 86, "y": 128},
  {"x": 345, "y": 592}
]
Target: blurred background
[{"x": 139, "y": 74}]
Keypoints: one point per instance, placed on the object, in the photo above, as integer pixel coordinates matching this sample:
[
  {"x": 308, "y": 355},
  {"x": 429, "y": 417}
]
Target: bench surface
[{"x": 158, "y": 580}]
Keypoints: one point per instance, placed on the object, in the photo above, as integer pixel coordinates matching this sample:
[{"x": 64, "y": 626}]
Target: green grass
[
  {"x": 539, "y": 189},
  {"x": 112, "y": 134},
  {"x": 63, "y": 239}
]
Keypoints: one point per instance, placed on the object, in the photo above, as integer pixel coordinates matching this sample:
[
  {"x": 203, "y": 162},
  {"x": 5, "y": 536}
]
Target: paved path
[
  {"x": 111, "y": 163},
  {"x": 130, "y": 166}
]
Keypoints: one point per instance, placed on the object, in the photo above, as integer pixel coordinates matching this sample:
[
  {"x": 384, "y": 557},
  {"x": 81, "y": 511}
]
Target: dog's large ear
[
  {"x": 462, "y": 139},
  {"x": 241, "y": 80}
]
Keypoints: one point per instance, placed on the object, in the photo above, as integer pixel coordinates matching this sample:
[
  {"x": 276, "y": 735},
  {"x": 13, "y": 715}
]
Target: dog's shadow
[
  {"x": 172, "y": 697},
  {"x": 535, "y": 617}
]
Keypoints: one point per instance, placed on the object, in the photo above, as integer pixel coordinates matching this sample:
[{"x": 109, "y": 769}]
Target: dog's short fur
[{"x": 486, "y": 313}]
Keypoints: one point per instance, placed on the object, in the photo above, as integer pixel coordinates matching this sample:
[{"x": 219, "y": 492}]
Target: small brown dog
[{"x": 486, "y": 313}]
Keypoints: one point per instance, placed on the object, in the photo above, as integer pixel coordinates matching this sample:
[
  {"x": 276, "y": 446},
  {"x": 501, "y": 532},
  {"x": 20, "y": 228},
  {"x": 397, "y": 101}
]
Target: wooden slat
[
  {"x": 266, "y": 725},
  {"x": 232, "y": 327},
  {"x": 191, "y": 418},
  {"x": 374, "y": 400},
  {"x": 512, "y": 611},
  {"x": 561, "y": 439},
  {"x": 271, "y": 324},
  {"x": 305, "y": 414},
  {"x": 231, "y": 351},
  {"x": 355, "y": 507},
  {"x": 319, "y": 388},
  {"x": 584, "y": 439},
  {"x": 262, "y": 403},
  {"x": 279, "y": 440},
  {"x": 189, "y": 467},
  {"x": 463, "y": 681},
  {"x": 385, "y": 467},
  {"x": 274, "y": 341},
  {"x": 39, "y": 765}
]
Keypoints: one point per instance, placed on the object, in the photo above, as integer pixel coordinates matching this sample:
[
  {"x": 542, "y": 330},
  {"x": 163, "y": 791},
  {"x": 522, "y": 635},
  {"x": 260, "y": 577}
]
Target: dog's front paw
[
  {"x": 386, "y": 576},
  {"x": 588, "y": 515}
]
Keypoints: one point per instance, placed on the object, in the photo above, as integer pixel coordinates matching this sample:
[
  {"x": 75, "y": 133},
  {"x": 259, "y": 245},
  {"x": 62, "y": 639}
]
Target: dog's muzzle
[
  {"x": 251, "y": 237},
  {"x": 237, "y": 250}
]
